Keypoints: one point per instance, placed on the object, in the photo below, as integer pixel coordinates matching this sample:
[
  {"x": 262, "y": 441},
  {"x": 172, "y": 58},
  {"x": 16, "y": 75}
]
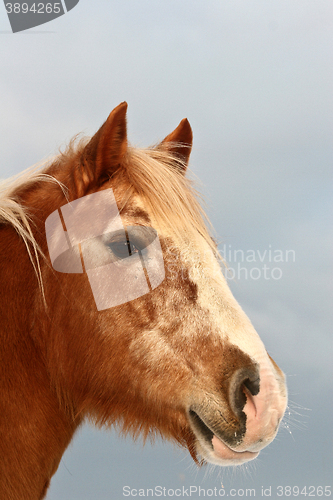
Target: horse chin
[{"x": 212, "y": 449}]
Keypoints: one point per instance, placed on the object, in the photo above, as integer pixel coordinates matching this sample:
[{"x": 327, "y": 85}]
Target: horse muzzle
[{"x": 231, "y": 430}]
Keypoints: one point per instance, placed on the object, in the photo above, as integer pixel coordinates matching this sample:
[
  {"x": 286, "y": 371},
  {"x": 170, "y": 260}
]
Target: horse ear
[
  {"x": 104, "y": 152},
  {"x": 179, "y": 142}
]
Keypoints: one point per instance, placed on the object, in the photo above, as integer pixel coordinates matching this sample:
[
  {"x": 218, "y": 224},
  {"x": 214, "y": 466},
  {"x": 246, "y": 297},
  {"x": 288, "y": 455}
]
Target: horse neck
[{"x": 34, "y": 430}]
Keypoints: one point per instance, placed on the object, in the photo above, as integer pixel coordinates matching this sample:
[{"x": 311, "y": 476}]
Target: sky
[{"x": 254, "y": 78}]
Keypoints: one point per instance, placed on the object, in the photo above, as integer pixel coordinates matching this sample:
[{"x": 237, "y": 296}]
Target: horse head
[{"x": 135, "y": 323}]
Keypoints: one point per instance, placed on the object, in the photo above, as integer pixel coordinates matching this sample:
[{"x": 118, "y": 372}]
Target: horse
[{"x": 114, "y": 308}]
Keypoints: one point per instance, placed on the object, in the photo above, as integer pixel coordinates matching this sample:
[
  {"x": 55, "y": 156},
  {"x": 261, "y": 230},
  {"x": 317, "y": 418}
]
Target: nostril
[
  {"x": 252, "y": 385},
  {"x": 250, "y": 405},
  {"x": 244, "y": 384}
]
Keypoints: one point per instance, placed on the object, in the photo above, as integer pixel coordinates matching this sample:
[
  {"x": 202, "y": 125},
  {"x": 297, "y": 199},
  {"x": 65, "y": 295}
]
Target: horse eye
[
  {"x": 133, "y": 240},
  {"x": 123, "y": 249}
]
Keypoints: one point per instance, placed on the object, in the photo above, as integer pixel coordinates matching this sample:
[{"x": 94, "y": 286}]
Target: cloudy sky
[{"x": 255, "y": 80}]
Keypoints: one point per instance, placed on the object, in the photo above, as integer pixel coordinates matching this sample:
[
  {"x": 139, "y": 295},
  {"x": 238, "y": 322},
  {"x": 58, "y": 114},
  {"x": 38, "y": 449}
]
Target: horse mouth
[
  {"x": 200, "y": 426},
  {"x": 212, "y": 447}
]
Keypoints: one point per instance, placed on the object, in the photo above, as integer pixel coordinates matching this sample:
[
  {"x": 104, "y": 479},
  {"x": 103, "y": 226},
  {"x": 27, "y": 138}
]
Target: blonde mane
[
  {"x": 157, "y": 176},
  {"x": 13, "y": 213}
]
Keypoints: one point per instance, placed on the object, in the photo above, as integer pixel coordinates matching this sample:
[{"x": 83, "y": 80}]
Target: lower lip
[{"x": 223, "y": 452}]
